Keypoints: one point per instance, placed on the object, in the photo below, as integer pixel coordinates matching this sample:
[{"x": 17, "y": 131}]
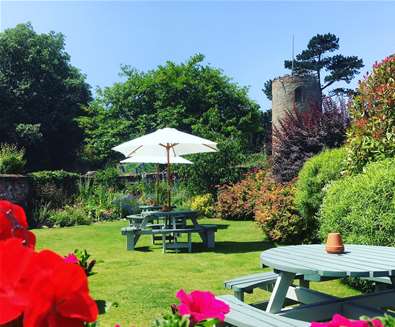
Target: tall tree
[
  {"x": 41, "y": 94},
  {"x": 191, "y": 96},
  {"x": 328, "y": 69}
]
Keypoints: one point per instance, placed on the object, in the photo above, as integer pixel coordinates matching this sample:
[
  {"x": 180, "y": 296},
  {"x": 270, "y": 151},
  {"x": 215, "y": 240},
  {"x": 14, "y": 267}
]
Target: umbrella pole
[
  {"x": 168, "y": 176},
  {"x": 157, "y": 183}
]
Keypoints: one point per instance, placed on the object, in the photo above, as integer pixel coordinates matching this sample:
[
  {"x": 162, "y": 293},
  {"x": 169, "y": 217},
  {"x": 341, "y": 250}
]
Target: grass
[{"x": 144, "y": 282}]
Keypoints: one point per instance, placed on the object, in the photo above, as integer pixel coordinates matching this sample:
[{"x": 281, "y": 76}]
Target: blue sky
[{"x": 247, "y": 40}]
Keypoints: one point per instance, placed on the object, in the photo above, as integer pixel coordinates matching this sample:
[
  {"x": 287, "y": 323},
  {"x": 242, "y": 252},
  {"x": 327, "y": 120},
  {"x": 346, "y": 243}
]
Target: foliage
[
  {"x": 301, "y": 135},
  {"x": 191, "y": 96},
  {"x": 41, "y": 94},
  {"x": 171, "y": 320},
  {"x": 108, "y": 177},
  {"x": 237, "y": 201},
  {"x": 204, "y": 204},
  {"x": 362, "y": 207},
  {"x": 278, "y": 217},
  {"x": 12, "y": 159},
  {"x": 372, "y": 134},
  {"x": 267, "y": 89},
  {"x": 53, "y": 188},
  {"x": 315, "y": 59},
  {"x": 100, "y": 202},
  {"x": 83, "y": 258},
  {"x": 70, "y": 216},
  {"x": 315, "y": 176},
  {"x": 213, "y": 169}
]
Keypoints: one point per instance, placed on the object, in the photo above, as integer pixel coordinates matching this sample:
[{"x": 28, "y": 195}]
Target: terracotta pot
[{"x": 334, "y": 243}]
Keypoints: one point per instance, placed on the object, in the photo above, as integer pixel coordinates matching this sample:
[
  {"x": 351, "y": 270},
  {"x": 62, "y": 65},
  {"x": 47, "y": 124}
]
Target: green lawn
[{"x": 144, "y": 282}]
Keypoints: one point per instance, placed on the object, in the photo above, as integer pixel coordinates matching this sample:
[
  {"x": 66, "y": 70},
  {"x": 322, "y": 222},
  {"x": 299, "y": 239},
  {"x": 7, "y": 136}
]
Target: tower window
[{"x": 299, "y": 95}]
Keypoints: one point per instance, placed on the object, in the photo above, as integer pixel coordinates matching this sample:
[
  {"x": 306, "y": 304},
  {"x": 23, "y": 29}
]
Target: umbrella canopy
[
  {"x": 167, "y": 143},
  {"x": 156, "y": 143},
  {"x": 156, "y": 159}
]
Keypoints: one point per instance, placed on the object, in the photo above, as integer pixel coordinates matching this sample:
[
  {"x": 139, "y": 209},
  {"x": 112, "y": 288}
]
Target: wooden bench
[
  {"x": 244, "y": 315},
  {"x": 266, "y": 281},
  {"x": 247, "y": 284}
]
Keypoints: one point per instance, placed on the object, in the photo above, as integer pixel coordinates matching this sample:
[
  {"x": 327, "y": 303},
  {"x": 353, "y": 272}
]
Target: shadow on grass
[
  {"x": 227, "y": 247},
  {"x": 143, "y": 249}
]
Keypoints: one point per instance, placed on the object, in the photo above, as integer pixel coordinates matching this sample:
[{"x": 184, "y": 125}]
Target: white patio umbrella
[
  {"x": 168, "y": 143},
  {"x": 156, "y": 160}
]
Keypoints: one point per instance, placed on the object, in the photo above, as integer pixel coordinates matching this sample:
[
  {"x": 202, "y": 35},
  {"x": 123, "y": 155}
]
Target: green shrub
[
  {"x": 70, "y": 216},
  {"x": 316, "y": 174},
  {"x": 56, "y": 188},
  {"x": 237, "y": 201},
  {"x": 100, "y": 202},
  {"x": 362, "y": 207},
  {"x": 204, "y": 204},
  {"x": 372, "y": 134},
  {"x": 11, "y": 159},
  {"x": 212, "y": 169},
  {"x": 275, "y": 212}
]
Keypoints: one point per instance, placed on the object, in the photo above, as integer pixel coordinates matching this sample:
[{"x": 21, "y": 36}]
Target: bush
[
  {"x": 204, "y": 204},
  {"x": 372, "y": 134},
  {"x": 301, "y": 135},
  {"x": 362, "y": 207},
  {"x": 98, "y": 201},
  {"x": 70, "y": 216},
  {"x": 277, "y": 215},
  {"x": 316, "y": 174},
  {"x": 212, "y": 169},
  {"x": 56, "y": 188},
  {"x": 237, "y": 201},
  {"x": 11, "y": 159}
]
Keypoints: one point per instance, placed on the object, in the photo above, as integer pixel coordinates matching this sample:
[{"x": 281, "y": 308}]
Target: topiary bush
[
  {"x": 313, "y": 179},
  {"x": 204, "y": 204},
  {"x": 362, "y": 207},
  {"x": 11, "y": 159},
  {"x": 372, "y": 133},
  {"x": 301, "y": 135},
  {"x": 278, "y": 217},
  {"x": 237, "y": 201}
]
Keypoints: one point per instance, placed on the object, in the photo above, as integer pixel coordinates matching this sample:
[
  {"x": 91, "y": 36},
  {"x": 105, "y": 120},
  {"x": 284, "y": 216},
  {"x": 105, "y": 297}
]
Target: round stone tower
[{"x": 292, "y": 91}]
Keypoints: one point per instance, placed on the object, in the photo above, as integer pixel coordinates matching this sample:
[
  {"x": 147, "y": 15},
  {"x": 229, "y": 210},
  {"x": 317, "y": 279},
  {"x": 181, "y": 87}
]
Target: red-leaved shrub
[
  {"x": 276, "y": 213},
  {"x": 300, "y": 135},
  {"x": 237, "y": 201}
]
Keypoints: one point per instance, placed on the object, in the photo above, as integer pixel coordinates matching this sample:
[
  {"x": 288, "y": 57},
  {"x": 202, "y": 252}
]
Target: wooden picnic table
[
  {"x": 147, "y": 208},
  {"x": 171, "y": 222},
  {"x": 315, "y": 264}
]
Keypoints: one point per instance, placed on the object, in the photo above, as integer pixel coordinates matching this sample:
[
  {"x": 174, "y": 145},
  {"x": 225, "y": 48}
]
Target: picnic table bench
[
  {"x": 172, "y": 225},
  {"x": 312, "y": 263}
]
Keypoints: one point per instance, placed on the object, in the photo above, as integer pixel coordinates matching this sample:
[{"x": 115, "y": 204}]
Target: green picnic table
[
  {"x": 172, "y": 223},
  {"x": 313, "y": 263}
]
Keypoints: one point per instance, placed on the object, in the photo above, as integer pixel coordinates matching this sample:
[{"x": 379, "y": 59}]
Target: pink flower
[
  {"x": 201, "y": 306},
  {"x": 71, "y": 258},
  {"x": 340, "y": 321}
]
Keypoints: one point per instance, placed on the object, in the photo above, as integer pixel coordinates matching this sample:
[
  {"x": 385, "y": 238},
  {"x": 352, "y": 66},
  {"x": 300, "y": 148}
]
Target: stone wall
[
  {"x": 15, "y": 188},
  {"x": 289, "y": 91}
]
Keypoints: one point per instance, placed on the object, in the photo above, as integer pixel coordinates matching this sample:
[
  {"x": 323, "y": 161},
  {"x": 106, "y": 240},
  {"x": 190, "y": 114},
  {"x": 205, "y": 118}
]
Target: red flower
[
  {"x": 13, "y": 223},
  {"x": 340, "y": 321},
  {"x": 14, "y": 258},
  {"x": 58, "y": 294},
  {"x": 201, "y": 306},
  {"x": 71, "y": 258}
]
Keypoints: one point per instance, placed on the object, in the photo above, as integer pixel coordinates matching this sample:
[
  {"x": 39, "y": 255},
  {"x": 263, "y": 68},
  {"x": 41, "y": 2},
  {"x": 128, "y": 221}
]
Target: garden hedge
[
  {"x": 362, "y": 207},
  {"x": 316, "y": 174}
]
